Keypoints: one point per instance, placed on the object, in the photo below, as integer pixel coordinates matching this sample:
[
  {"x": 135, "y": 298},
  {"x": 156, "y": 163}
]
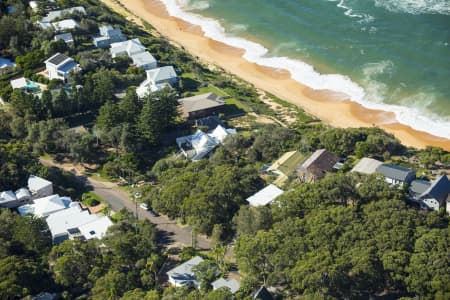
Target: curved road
[{"x": 171, "y": 234}]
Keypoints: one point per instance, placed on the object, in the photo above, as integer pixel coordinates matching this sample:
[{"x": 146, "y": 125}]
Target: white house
[
  {"x": 127, "y": 48},
  {"x": 144, "y": 60},
  {"x": 183, "y": 274},
  {"x": 95, "y": 229},
  {"x": 108, "y": 35},
  {"x": 265, "y": 196},
  {"x": 8, "y": 199},
  {"x": 39, "y": 187},
  {"x": 58, "y": 14},
  {"x": 156, "y": 80},
  {"x": 43, "y": 207},
  {"x": 200, "y": 144},
  {"x": 59, "y": 66}
]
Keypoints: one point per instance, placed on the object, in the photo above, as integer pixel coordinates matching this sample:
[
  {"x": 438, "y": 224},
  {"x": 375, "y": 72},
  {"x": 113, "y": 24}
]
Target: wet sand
[{"x": 332, "y": 108}]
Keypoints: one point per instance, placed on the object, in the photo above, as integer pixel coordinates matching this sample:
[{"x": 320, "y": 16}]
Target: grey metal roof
[
  {"x": 231, "y": 284},
  {"x": 367, "y": 166},
  {"x": 161, "y": 74},
  {"x": 263, "y": 293},
  {"x": 184, "y": 271},
  {"x": 201, "y": 102},
  {"x": 394, "y": 172},
  {"x": 143, "y": 58},
  {"x": 66, "y": 37},
  {"x": 439, "y": 189},
  {"x": 418, "y": 187}
]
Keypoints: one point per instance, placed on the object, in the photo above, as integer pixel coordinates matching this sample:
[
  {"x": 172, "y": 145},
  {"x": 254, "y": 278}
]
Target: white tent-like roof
[
  {"x": 265, "y": 196},
  {"x": 43, "y": 207}
]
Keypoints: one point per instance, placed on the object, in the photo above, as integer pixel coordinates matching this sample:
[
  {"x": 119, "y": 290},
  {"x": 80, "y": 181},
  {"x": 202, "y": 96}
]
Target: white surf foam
[
  {"x": 305, "y": 73},
  {"x": 416, "y": 7}
]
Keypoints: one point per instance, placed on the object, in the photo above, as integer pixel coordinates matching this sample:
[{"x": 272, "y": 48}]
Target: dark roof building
[
  {"x": 201, "y": 105},
  {"x": 263, "y": 294},
  {"x": 396, "y": 174},
  {"x": 317, "y": 166}
]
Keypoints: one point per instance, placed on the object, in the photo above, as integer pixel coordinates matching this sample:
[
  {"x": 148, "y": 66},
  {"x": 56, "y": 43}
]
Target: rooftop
[
  {"x": 367, "y": 166},
  {"x": 43, "y": 207},
  {"x": 287, "y": 163},
  {"x": 201, "y": 102},
  {"x": 53, "y": 15},
  {"x": 65, "y": 24},
  {"x": 161, "y": 74},
  {"x": 265, "y": 196},
  {"x": 57, "y": 59},
  {"x": 231, "y": 284},
  {"x": 184, "y": 271},
  {"x": 95, "y": 229},
  {"x": 19, "y": 83},
  {"x": 36, "y": 183},
  {"x": 439, "y": 189},
  {"x": 143, "y": 58},
  {"x": 4, "y": 62},
  {"x": 66, "y": 37},
  {"x": 394, "y": 172}
]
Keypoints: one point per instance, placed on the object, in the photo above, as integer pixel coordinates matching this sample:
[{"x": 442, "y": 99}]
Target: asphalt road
[{"x": 171, "y": 234}]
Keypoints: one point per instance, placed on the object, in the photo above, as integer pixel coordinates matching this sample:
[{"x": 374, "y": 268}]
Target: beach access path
[{"x": 170, "y": 233}]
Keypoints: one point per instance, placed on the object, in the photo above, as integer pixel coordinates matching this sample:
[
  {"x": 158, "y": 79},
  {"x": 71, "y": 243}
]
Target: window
[{"x": 92, "y": 232}]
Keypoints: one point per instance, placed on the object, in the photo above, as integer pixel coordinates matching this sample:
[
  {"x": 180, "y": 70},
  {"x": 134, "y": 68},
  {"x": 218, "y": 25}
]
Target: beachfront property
[
  {"x": 430, "y": 195},
  {"x": 66, "y": 37},
  {"x": 59, "y": 66},
  {"x": 200, "y": 144},
  {"x": 201, "y": 106},
  {"x": 285, "y": 166},
  {"x": 107, "y": 36},
  {"x": 136, "y": 51},
  {"x": 183, "y": 274},
  {"x": 230, "y": 284},
  {"x": 6, "y": 66},
  {"x": 265, "y": 196},
  {"x": 46, "y": 22},
  {"x": 317, "y": 166},
  {"x": 157, "y": 79},
  {"x": 396, "y": 175},
  {"x": 367, "y": 166}
]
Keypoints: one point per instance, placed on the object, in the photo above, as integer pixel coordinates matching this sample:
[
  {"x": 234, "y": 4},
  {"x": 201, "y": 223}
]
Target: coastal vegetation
[{"x": 346, "y": 236}]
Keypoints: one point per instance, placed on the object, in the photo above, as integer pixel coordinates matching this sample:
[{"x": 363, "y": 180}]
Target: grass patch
[{"x": 91, "y": 199}]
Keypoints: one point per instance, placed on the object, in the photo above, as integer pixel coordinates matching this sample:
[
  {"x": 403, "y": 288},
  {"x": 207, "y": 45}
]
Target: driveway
[{"x": 171, "y": 234}]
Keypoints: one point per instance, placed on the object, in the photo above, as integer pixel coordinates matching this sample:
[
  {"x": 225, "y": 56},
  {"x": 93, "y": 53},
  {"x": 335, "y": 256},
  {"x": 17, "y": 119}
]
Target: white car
[{"x": 144, "y": 206}]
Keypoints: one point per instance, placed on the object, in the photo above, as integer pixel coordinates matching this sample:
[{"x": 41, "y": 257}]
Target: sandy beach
[{"x": 330, "y": 107}]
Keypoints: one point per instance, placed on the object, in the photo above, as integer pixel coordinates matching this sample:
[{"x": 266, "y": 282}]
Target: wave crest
[{"x": 416, "y": 7}]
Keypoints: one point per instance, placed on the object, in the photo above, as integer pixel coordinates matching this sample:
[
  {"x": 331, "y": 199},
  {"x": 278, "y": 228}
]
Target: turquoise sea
[{"x": 392, "y": 55}]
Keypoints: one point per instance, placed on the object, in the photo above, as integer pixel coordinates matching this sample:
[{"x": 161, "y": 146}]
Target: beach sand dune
[{"x": 330, "y": 107}]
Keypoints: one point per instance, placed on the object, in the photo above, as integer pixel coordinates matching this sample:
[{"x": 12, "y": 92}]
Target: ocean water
[{"x": 392, "y": 55}]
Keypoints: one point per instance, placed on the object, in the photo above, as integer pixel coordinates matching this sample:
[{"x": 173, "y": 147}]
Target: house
[
  {"x": 75, "y": 223},
  {"x": 157, "y": 79},
  {"x": 200, "y": 144},
  {"x": 430, "y": 195},
  {"x": 127, "y": 48},
  {"x": 265, "y": 196},
  {"x": 231, "y": 284},
  {"x": 285, "y": 166},
  {"x": 6, "y": 66},
  {"x": 9, "y": 199},
  {"x": 262, "y": 294},
  {"x": 367, "y": 166},
  {"x": 58, "y": 14},
  {"x": 396, "y": 175},
  {"x": 39, "y": 187},
  {"x": 59, "y": 66},
  {"x": 317, "y": 166},
  {"x": 183, "y": 274},
  {"x": 108, "y": 35},
  {"x": 144, "y": 60},
  {"x": 24, "y": 84},
  {"x": 43, "y": 207},
  {"x": 201, "y": 106},
  {"x": 67, "y": 24},
  {"x": 66, "y": 37}
]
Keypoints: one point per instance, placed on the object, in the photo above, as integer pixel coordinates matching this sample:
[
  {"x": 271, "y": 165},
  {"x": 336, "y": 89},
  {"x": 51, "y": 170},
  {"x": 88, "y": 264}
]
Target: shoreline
[{"x": 328, "y": 106}]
